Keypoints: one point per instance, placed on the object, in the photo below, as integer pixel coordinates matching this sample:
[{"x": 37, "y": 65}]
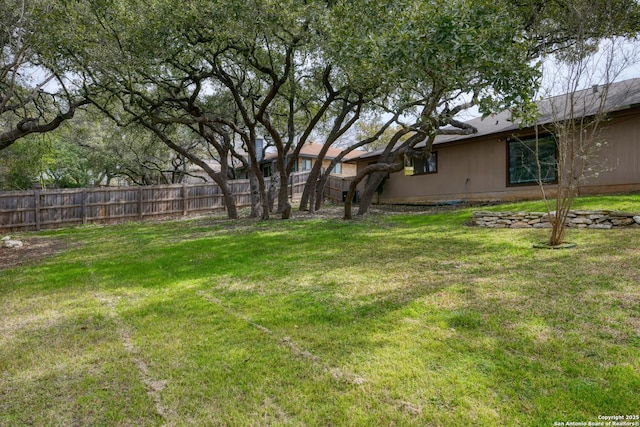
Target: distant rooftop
[{"x": 312, "y": 149}]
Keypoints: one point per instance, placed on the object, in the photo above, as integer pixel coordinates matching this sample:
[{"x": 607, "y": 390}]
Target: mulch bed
[{"x": 34, "y": 250}]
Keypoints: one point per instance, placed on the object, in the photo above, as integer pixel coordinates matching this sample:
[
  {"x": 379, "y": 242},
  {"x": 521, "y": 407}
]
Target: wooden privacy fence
[
  {"x": 41, "y": 209},
  {"x": 333, "y": 190},
  {"x": 297, "y": 182},
  {"x": 47, "y": 209}
]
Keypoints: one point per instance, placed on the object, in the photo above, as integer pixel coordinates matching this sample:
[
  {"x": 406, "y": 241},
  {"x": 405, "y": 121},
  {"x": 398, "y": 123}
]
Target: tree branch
[{"x": 29, "y": 126}]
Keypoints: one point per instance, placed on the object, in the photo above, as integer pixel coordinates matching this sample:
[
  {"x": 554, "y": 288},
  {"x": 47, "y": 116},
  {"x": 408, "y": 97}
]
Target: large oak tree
[
  {"x": 294, "y": 69},
  {"x": 34, "y": 98}
]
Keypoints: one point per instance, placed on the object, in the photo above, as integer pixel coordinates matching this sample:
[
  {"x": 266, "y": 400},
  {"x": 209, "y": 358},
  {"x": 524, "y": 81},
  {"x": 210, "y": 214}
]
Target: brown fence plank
[
  {"x": 36, "y": 208},
  {"x": 84, "y": 206}
]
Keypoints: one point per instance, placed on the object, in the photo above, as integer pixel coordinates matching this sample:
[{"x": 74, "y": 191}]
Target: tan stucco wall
[
  {"x": 477, "y": 171},
  {"x": 465, "y": 172},
  {"x": 348, "y": 169},
  {"x": 620, "y": 157}
]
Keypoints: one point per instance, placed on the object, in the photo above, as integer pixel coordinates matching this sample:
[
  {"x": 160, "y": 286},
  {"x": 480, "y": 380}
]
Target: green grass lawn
[{"x": 391, "y": 320}]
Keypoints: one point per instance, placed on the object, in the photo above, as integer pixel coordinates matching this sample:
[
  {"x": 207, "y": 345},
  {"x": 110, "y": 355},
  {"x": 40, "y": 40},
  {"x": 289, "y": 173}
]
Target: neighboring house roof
[
  {"x": 312, "y": 150},
  {"x": 621, "y": 96}
]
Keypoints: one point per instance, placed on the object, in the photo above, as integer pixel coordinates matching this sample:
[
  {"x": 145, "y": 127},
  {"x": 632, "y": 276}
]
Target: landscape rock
[
  {"x": 542, "y": 225},
  {"x": 602, "y": 219},
  {"x": 621, "y": 214},
  {"x": 581, "y": 220},
  {"x": 622, "y": 221},
  {"x": 8, "y": 243}
]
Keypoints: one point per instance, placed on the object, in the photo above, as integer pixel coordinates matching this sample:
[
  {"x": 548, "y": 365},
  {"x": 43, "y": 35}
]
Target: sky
[{"x": 620, "y": 58}]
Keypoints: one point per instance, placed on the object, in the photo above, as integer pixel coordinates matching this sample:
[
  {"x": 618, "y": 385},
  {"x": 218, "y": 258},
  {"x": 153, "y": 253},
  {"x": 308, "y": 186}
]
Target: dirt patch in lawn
[{"x": 34, "y": 249}]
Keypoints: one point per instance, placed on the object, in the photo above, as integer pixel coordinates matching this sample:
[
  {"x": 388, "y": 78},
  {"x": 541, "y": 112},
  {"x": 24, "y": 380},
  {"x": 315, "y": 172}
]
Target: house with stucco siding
[{"x": 496, "y": 162}]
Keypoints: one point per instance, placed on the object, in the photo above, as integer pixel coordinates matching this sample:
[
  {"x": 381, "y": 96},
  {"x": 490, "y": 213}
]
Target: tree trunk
[
  {"x": 254, "y": 190},
  {"x": 271, "y": 194},
  {"x": 374, "y": 170},
  {"x": 305, "y": 204},
  {"x": 229, "y": 200},
  {"x": 388, "y": 163},
  {"x": 564, "y": 201},
  {"x": 283, "y": 172},
  {"x": 319, "y": 190},
  {"x": 227, "y": 195},
  {"x": 370, "y": 189},
  {"x": 259, "y": 196},
  {"x": 308, "y": 196},
  {"x": 219, "y": 178},
  {"x": 264, "y": 200},
  {"x": 283, "y": 197},
  {"x": 350, "y": 193}
]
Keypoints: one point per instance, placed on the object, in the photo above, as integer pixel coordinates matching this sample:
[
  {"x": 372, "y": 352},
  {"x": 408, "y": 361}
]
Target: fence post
[
  {"x": 36, "y": 205},
  {"x": 140, "y": 203},
  {"x": 84, "y": 206},
  {"x": 184, "y": 200}
]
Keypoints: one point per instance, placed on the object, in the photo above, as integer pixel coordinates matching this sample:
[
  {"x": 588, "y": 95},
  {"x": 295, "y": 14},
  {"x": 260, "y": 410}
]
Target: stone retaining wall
[{"x": 575, "y": 219}]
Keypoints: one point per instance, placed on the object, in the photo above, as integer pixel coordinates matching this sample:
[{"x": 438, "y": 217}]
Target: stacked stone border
[{"x": 576, "y": 219}]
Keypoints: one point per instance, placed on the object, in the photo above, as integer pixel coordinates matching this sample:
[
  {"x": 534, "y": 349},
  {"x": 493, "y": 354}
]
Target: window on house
[
  {"x": 337, "y": 169},
  {"x": 423, "y": 166},
  {"x": 306, "y": 164},
  {"x": 522, "y": 167}
]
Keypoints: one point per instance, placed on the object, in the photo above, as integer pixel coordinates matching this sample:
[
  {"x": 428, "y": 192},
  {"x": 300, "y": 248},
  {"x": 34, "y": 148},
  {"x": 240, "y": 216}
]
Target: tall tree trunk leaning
[
  {"x": 390, "y": 161},
  {"x": 318, "y": 185},
  {"x": 308, "y": 193},
  {"x": 218, "y": 177},
  {"x": 312, "y": 197},
  {"x": 376, "y": 169},
  {"x": 371, "y": 188}
]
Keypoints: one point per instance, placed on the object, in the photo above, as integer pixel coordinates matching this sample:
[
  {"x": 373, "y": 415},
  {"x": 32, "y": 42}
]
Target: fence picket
[
  {"x": 36, "y": 205},
  {"x": 84, "y": 205}
]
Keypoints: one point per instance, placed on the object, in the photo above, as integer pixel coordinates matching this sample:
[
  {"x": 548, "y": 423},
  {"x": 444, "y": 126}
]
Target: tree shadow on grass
[{"x": 454, "y": 319}]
